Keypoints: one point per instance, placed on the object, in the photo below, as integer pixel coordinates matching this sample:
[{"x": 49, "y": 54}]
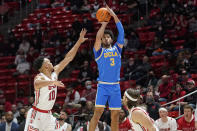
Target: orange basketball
[{"x": 103, "y": 15}]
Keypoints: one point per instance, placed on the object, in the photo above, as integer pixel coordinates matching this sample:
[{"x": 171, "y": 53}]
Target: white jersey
[
  {"x": 63, "y": 127},
  {"x": 45, "y": 97},
  {"x": 195, "y": 114},
  {"x": 170, "y": 125},
  {"x": 136, "y": 126}
]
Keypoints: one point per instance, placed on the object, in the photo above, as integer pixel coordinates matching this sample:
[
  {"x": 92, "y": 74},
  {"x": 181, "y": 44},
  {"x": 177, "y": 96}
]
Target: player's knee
[
  {"x": 98, "y": 113},
  {"x": 115, "y": 115}
]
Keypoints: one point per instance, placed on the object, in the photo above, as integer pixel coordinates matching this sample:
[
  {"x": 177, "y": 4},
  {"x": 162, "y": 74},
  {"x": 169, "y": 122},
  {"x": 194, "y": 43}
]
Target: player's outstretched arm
[
  {"x": 120, "y": 28},
  {"x": 39, "y": 82},
  {"x": 140, "y": 117},
  {"x": 71, "y": 54},
  {"x": 99, "y": 35}
]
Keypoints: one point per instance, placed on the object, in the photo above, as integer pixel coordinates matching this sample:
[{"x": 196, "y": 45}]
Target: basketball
[{"x": 103, "y": 15}]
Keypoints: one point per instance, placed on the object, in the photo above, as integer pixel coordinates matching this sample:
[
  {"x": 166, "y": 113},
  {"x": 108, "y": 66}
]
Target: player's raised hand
[
  {"x": 59, "y": 84},
  {"x": 104, "y": 23},
  {"x": 82, "y": 35},
  {"x": 111, "y": 12}
]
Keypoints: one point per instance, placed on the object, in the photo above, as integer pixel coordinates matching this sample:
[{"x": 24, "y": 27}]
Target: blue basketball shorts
[{"x": 110, "y": 93}]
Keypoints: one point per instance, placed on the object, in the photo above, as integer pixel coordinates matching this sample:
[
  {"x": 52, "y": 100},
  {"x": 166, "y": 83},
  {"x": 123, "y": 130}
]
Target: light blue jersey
[{"x": 109, "y": 63}]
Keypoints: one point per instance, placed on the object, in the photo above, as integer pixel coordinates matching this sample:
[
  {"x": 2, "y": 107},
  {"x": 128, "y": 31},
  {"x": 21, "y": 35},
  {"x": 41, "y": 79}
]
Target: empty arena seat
[
  {"x": 2, "y": 86},
  {"x": 23, "y": 78},
  {"x": 4, "y": 78},
  {"x": 4, "y": 72},
  {"x": 178, "y": 42}
]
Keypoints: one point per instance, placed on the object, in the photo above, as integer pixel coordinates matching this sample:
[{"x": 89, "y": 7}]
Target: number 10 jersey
[{"x": 45, "y": 97}]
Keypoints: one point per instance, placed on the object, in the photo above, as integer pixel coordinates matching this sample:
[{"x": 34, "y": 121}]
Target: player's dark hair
[
  {"x": 110, "y": 33},
  {"x": 63, "y": 111},
  {"x": 188, "y": 107},
  {"x": 134, "y": 94},
  {"x": 38, "y": 63}
]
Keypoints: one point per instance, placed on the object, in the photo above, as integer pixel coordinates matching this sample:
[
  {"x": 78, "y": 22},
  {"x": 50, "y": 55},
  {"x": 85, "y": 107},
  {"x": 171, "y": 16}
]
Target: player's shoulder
[
  {"x": 171, "y": 119},
  {"x": 180, "y": 120},
  {"x": 39, "y": 77},
  {"x": 54, "y": 74},
  {"x": 137, "y": 111},
  {"x": 158, "y": 120}
]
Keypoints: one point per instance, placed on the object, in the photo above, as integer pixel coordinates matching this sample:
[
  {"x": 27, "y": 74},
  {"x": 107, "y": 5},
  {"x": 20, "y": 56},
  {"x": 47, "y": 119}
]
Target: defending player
[
  {"x": 39, "y": 117},
  {"x": 108, "y": 59},
  {"x": 138, "y": 117}
]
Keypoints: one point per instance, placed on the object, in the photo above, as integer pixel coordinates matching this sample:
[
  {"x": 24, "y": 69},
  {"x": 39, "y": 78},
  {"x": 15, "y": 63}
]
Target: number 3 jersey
[
  {"x": 109, "y": 63},
  {"x": 45, "y": 97}
]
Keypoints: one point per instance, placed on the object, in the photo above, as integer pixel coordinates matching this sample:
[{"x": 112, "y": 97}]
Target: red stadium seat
[
  {"x": 178, "y": 42},
  {"x": 173, "y": 114},
  {"x": 4, "y": 72},
  {"x": 143, "y": 37},
  {"x": 4, "y": 78},
  {"x": 151, "y": 36},
  {"x": 10, "y": 95},
  {"x": 61, "y": 90},
  {"x": 75, "y": 73},
  {"x": 23, "y": 78},
  {"x": 143, "y": 29},
  {"x": 154, "y": 59},
  {"x": 60, "y": 102},
  {"x": 2, "y": 86},
  {"x": 50, "y": 51},
  {"x": 48, "y": 2},
  {"x": 194, "y": 77},
  {"x": 24, "y": 86},
  {"x": 60, "y": 95}
]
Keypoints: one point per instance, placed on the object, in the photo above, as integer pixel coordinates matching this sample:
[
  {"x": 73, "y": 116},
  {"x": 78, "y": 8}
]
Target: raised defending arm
[{"x": 71, "y": 54}]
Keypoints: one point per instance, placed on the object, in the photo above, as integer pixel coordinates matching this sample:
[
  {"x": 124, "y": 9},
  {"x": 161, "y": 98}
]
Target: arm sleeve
[
  {"x": 120, "y": 28},
  {"x": 118, "y": 48},
  {"x": 97, "y": 53}
]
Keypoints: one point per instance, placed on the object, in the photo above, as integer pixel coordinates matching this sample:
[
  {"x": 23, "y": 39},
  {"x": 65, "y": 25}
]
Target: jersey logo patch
[{"x": 110, "y": 54}]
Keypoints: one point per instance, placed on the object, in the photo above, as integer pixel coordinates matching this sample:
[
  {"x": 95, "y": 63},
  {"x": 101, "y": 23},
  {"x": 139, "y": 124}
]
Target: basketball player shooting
[
  {"x": 138, "y": 117},
  {"x": 108, "y": 59},
  {"x": 39, "y": 117}
]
